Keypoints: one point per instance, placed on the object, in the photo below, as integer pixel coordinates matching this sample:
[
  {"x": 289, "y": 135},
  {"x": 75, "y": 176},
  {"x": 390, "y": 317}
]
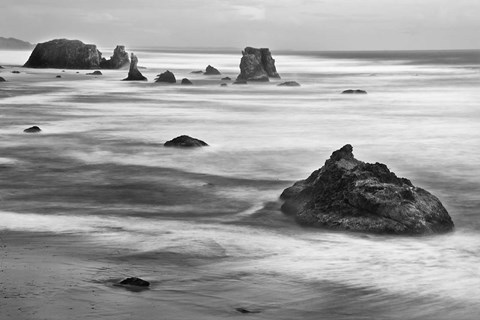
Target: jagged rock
[
  {"x": 348, "y": 194},
  {"x": 2, "y": 79},
  {"x": 185, "y": 81},
  {"x": 226, "y": 79},
  {"x": 133, "y": 73},
  {"x": 133, "y": 281},
  {"x": 95, "y": 73},
  {"x": 358, "y": 91},
  {"x": 117, "y": 61},
  {"x": 167, "y": 77},
  {"x": 33, "y": 129},
  {"x": 257, "y": 65},
  {"x": 66, "y": 54},
  {"x": 186, "y": 142},
  {"x": 290, "y": 84},
  {"x": 240, "y": 81},
  {"x": 59, "y": 76},
  {"x": 197, "y": 71},
  {"x": 211, "y": 71}
]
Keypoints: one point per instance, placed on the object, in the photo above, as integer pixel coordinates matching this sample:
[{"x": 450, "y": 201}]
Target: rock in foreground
[
  {"x": 348, "y": 194},
  {"x": 133, "y": 73},
  {"x": 33, "y": 129},
  {"x": 167, "y": 77},
  {"x": 133, "y": 281},
  {"x": 185, "y": 142},
  {"x": 257, "y": 65}
]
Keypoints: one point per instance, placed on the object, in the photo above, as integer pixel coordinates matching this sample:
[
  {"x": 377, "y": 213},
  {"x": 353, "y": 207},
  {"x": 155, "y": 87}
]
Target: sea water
[{"x": 206, "y": 224}]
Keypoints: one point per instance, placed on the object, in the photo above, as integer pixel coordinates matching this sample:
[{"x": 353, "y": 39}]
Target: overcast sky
[{"x": 278, "y": 24}]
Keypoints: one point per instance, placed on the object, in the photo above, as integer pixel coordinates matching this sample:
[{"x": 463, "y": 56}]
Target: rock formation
[
  {"x": 348, "y": 194},
  {"x": 166, "y": 77},
  {"x": 185, "y": 142},
  {"x": 185, "y": 81},
  {"x": 95, "y": 73},
  {"x": 351, "y": 91},
  {"x": 211, "y": 71},
  {"x": 289, "y": 84},
  {"x": 257, "y": 65},
  {"x": 226, "y": 79},
  {"x": 58, "y": 76},
  {"x": 133, "y": 73},
  {"x": 240, "y": 81},
  {"x": 117, "y": 61},
  {"x": 33, "y": 129},
  {"x": 2, "y": 79},
  {"x": 133, "y": 281}
]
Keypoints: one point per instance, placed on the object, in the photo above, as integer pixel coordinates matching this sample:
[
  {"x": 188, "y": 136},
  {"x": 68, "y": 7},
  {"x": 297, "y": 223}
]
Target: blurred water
[{"x": 99, "y": 170}]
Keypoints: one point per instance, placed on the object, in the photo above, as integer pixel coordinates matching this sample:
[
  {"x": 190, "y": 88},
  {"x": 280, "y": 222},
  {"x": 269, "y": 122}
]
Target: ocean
[{"x": 204, "y": 225}]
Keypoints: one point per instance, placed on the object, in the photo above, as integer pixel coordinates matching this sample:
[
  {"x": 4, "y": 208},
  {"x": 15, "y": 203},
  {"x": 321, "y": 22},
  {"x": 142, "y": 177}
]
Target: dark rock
[
  {"x": 59, "y": 76},
  {"x": 223, "y": 84},
  {"x": 95, "y": 73},
  {"x": 133, "y": 73},
  {"x": 66, "y": 54},
  {"x": 2, "y": 79},
  {"x": 211, "y": 71},
  {"x": 348, "y": 194},
  {"x": 240, "y": 81},
  {"x": 133, "y": 281},
  {"x": 243, "y": 310},
  {"x": 2, "y": 67},
  {"x": 186, "y": 81},
  {"x": 290, "y": 84},
  {"x": 226, "y": 79},
  {"x": 117, "y": 61},
  {"x": 198, "y": 71},
  {"x": 63, "y": 70},
  {"x": 257, "y": 65},
  {"x": 15, "y": 71},
  {"x": 33, "y": 129},
  {"x": 358, "y": 91},
  {"x": 185, "y": 141},
  {"x": 167, "y": 77}
]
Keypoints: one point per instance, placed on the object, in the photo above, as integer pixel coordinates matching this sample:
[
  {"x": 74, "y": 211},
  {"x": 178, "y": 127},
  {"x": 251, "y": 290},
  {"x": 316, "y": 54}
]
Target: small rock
[
  {"x": 243, "y": 310},
  {"x": 77, "y": 72},
  {"x": 133, "y": 281},
  {"x": 226, "y": 79},
  {"x": 186, "y": 81},
  {"x": 63, "y": 70},
  {"x": 167, "y": 77},
  {"x": 290, "y": 84},
  {"x": 2, "y": 79},
  {"x": 1, "y": 67},
  {"x": 95, "y": 73},
  {"x": 59, "y": 76},
  {"x": 211, "y": 71},
  {"x": 240, "y": 81},
  {"x": 223, "y": 85},
  {"x": 197, "y": 71},
  {"x": 185, "y": 142},
  {"x": 15, "y": 71},
  {"x": 33, "y": 129},
  {"x": 358, "y": 91}
]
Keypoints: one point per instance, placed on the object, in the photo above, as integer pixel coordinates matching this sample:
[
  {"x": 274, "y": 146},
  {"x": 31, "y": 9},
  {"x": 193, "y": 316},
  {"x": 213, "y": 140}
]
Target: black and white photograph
[{"x": 239, "y": 159}]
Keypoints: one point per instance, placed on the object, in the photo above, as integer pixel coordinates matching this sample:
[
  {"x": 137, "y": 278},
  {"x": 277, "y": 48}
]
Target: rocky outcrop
[
  {"x": 133, "y": 73},
  {"x": 226, "y": 79},
  {"x": 166, "y": 77},
  {"x": 33, "y": 129},
  {"x": 257, "y": 65},
  {"x": 357, "y": 91},
  {"x": 185, "y": 81},
  {"x": 133, "y": 281},
  {"x": 348, "y": 194},
  {"x": 185, "y": 142},
  {"x": 2, "y": 79},
  {"x": 117, "y": 61},
  {"x": 95, "y": 73},
  {"x": 289, "y": 84},
  {"x": 209, "y": 71}
]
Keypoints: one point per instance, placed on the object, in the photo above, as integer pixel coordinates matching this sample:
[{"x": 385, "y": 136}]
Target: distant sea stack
[
  {"x": 133, "y": 73},
  {"x": 348, "y": 194},
  {"x": 257, "y": 65},
  {"x": 74, "y": 54}
]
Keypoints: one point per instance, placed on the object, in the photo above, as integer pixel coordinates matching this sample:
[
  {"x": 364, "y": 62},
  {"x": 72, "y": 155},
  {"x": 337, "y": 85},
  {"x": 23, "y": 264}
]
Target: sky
[{"x": 278, "y": 24}]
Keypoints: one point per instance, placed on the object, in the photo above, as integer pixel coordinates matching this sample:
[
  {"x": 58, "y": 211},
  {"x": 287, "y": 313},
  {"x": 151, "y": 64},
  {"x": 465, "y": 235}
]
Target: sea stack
[
  {"x": 257, "y": 65},
  {"x": 166, "y": 77},
  {"x": 117, "y": 61},
  {"x": 133, "y": 73},
  {"x": 348, "y": 194}
]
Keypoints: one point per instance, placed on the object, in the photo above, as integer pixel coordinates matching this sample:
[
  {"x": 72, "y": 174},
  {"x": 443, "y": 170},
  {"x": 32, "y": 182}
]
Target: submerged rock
[
  {"x": 185, "y": 141},
  {"x": 226, "y": 79},
  {"x": 290, "y": 84},
  {"x": 2, "y": 79},
  {"x": 211, "y": 71},
  {"x": 351, "y": 91},
  {"x": 348, "y": 194},
  {"x": 257, "y": 65},
  {"x": 133, "y": 281},
  {"x": 95, "y": 73},
  {"x": 167, "y": 77},
  {"x": 243, "y": 310},
  {"x": 223, "y": 85},
  {"x": 197, "y": 71},
  {"x": 133, "y": 73},
  {"x": 59, "y": 76},
  {"x": 33, "y": 129},
  {"x": 185, "y": 81},
  {"x": 117, "y": 61},
  {"x": 15, "y": 71}
]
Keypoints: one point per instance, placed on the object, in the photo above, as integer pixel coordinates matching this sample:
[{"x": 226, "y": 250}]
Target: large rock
[
  {"x": 133, "y": 73},
  {"x": 34, "y": 129},
  {"x": 117, "y": 61},
  {"x": 166, "y": 77},
  {"x": 348, "y": 194},
  {"x": 211, "y": 71},
  {"x": 185, "y": 142},
  {"x": 257, "y": 65}
]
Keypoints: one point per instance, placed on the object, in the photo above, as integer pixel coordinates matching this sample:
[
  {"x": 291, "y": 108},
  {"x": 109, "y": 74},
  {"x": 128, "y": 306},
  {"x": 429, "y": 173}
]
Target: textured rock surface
[
  {"x": 211, "y": 71},
  {"x": 167, "y": 77},
  {"x": 133, "y": 73},
  {"x": 348, "y": 194},
  {"x": 357, "y": 91},
  {"x": 117, "y": 61},
  {"x": 33, "y": 129},
  {"x": 185, "y": 141},
  {"x": 257, "y": 65},
  {"x": 289, "y": 84}
]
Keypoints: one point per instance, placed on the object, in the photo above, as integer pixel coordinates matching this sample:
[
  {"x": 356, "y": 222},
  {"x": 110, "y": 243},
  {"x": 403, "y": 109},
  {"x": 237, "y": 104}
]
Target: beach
[{"x": 96, "y": 197}]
